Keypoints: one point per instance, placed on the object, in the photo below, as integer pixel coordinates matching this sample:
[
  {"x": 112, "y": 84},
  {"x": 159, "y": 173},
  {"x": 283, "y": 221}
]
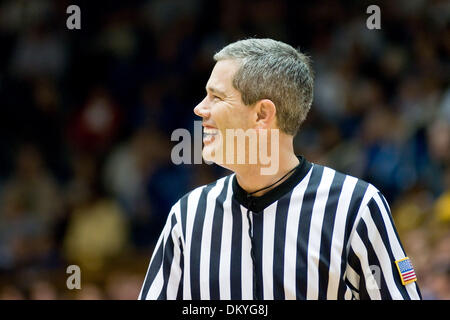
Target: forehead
[{"x": 221, "y": 77}]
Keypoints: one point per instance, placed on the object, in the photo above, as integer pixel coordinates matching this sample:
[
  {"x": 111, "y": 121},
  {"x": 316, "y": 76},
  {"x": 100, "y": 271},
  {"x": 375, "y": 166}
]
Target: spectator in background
[
  {"x": 123, "y": 285},
  {"x": 43, "y": 290},
  {"x": 39, "y": 52},
  {"x": 97, "y": 229},
  {"x": 94, "y": 126},
  {"x": 30, "y": 206},
  {"x": 11, "y": 292},
  {"x": 91, "y": 291},
  {"x": 138, "y": 174}
]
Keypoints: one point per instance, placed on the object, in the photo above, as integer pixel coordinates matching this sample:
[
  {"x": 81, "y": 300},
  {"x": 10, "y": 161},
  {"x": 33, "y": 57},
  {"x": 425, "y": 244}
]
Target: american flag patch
[{"x": 406, "y": 270}]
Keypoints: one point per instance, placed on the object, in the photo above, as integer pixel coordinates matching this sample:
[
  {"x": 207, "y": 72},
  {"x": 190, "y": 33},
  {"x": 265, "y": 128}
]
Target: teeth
[
  {"x": 208, "y": 138},
  {"x": 210, "y": 131}
]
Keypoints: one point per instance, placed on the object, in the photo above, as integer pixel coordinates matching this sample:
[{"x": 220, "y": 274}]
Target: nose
[{"x": 202, "y": 109}]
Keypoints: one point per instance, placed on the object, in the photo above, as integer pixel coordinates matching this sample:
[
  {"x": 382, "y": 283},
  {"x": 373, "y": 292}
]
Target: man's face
[{"x": 221, "y": 109}]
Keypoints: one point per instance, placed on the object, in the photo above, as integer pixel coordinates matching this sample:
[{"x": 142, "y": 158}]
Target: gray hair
[{"x": 273, "y": 70}]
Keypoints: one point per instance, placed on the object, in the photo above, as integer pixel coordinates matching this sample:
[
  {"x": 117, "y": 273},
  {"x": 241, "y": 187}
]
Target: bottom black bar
[{"x": 217, "y": 309}]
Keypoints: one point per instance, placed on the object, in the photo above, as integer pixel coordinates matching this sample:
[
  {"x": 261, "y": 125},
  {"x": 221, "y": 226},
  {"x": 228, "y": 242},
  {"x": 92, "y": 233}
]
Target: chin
[{"x": 208, "y": 154}]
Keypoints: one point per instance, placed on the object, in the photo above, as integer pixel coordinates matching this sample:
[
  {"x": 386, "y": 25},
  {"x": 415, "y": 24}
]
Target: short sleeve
[{"x": 375, "y": 247}]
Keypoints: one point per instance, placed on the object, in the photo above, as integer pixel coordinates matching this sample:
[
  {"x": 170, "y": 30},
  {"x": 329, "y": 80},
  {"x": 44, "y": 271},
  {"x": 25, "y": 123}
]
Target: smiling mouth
[{"x": 209, "y": 135}]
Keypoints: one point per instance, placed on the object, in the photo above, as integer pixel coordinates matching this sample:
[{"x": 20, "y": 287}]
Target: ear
[{"x": 265, "y": 114}]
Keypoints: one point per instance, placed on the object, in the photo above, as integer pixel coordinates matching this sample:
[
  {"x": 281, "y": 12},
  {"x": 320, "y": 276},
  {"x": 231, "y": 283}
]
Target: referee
[{"x": 304, "y": 231}]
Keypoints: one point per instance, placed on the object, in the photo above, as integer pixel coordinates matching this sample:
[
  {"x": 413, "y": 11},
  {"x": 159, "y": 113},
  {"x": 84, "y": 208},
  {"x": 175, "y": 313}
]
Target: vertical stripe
[
  {"x": 361, "y": 253},
  {"x": 153, "y": 269},
  {"x": 337, "y": 243},
  {"x": 369, "y": 193},
  {"x": 293, "y": 218},
  {"x": 173, "y": 283},
  {"x": 211, "y": 203},
  {"x": 156, "y": 261},
  {"x": 315, "y": 232},
  {"x": 303, "y": 232},
  {"x": 183, "y": 216},
  {"x": 353, "y": 278},
  {"x": 180, "y": 287},
  {"x": 157, "y": 288},
  {"x": 246, "y": 262},
  {"x": 176, "y": 280},
  {"x": 192, "y": 203},
  {"x": 375, "y": 275},
  {"x": 197, "y": 233},
  {"x": 236, "y": 251},
  {"x": 268, "y": 251},
  {"x": 352, "y": 272},
  {"x": 258, "y": 220},
  {"x": 170, "y": 261},
  {"x": 215, "y": 245},
  {"x": 279, "y": 245},
  {"x": 225, "y": 248},
  {"x": 382, "y": 245},
  {"x": 327, "y": 236},
  {"x": 359, "y": 193}
]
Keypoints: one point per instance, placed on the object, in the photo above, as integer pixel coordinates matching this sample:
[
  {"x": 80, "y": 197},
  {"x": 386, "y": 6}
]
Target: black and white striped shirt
[{"x": 320, "y": 234}]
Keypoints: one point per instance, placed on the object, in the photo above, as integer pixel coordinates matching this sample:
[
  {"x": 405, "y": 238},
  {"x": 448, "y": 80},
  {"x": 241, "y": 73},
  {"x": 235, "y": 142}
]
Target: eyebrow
[{"x": 216, "y": 91}]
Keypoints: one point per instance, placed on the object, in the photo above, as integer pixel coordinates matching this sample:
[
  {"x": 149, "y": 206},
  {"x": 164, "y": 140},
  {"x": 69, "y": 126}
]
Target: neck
[{"x": 250, "y": 178}]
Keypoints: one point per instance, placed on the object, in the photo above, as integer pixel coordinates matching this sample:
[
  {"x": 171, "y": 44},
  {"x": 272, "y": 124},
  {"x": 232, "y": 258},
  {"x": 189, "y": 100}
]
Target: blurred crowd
[{"x": 86, "y": 118}]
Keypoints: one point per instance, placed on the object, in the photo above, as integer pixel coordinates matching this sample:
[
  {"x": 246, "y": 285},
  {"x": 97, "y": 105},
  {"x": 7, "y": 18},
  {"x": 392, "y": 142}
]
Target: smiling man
[
  {"x": 297, "y": 231},
  {"x": 229, "y": 124}
]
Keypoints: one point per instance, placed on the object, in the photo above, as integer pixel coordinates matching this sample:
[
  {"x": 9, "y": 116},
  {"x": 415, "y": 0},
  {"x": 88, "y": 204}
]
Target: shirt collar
[{"x": 258, "y": 204}]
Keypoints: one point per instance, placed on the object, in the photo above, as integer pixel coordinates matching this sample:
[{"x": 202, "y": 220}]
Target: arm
[
  {"x": 164, "y": 274},
  {"x": 374, "y": 248}
]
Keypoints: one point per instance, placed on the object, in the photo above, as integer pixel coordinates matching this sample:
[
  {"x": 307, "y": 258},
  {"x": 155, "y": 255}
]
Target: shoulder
[
  {"x": 193, "y": 197},
  {"x": 359, "y": 199},
  {"x": 346, "y": 185},
  {"x": 351, "y": 196},
  {"x": 186, "y": 208}
]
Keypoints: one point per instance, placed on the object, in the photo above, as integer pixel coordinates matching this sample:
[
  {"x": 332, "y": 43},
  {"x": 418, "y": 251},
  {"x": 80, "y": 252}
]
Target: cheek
[
  {"x": 222, "y": 115},
  {"x": 231, "y": 118}
]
